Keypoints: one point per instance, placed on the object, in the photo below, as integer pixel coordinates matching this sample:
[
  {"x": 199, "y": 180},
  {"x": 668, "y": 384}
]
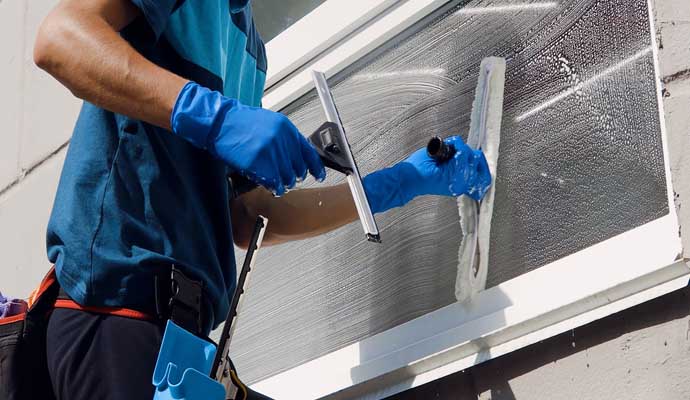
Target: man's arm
[
  {"x": 309, "y": 212},
  {"x": 78, "y": 44},
  {"x": 299, "y": 214}
]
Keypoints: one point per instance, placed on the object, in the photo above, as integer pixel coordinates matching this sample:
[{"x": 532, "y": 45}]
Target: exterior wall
[
  {"x": 640, "y": 353},
  {"x": 37, "y": 118},
  {"x": 673, "y": 31}
]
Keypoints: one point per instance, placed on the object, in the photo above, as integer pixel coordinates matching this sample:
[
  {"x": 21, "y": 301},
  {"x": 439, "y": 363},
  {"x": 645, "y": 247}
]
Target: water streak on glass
[{"x": 581, "y": 161}]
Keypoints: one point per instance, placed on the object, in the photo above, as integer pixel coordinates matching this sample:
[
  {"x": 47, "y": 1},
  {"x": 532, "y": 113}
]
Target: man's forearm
[
  {"x": 79, "y": 44},
  {"x": 300, "y": 214}
]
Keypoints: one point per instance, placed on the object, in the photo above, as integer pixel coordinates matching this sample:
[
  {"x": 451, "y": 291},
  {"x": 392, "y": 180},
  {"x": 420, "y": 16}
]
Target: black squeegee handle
[
  {"x": 225, "y": 337},
  {"x": 439, "y": 150}
]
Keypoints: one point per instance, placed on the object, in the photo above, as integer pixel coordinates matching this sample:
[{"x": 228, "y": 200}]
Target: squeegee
[{"x": 331, "y": 143}]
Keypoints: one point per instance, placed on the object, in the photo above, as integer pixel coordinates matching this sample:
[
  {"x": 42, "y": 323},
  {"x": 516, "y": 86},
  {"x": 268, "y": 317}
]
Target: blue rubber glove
[
  {"x": 260, "y": 144},
  {"x": 466, "y": 173}
]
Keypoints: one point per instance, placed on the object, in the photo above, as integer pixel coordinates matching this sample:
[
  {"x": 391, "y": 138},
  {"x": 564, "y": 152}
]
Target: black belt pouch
[{"x": 23, "y": 364}]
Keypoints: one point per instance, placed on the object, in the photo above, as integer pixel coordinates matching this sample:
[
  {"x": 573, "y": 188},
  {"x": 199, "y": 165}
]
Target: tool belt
[
  {"x": 177, "y": 298},
  {"x": 23, "y": 363},
  {"x": 23, "y": 367}
]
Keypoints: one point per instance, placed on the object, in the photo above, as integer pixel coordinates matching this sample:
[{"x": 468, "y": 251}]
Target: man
[{"x": 172, "y": 90}]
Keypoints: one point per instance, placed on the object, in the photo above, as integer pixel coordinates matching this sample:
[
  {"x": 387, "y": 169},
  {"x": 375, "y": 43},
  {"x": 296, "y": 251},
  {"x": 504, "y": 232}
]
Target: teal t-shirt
[{"x": 133, "y": 198}]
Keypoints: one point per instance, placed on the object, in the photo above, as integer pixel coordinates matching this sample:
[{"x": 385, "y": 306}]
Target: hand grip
[{"x": 439, "y": 150}]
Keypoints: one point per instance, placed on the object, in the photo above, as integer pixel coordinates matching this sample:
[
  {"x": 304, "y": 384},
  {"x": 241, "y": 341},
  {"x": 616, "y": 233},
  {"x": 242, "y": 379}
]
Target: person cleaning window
[{"x": 171, "y": 160}]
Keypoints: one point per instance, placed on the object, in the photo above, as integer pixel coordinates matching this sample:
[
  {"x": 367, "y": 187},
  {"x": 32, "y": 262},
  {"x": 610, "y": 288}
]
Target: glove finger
[
  {"x": 482, "y": 165},
  {"x": 295, "y": 142},
  {"x": 271, "y": 184},
  {"x": 483, "y": 170},
  {"x": 299, "y": 166},
  {"x": 461, "y": 174},
  {"x": 481, "y": 176},
  {"x": 463, "y": 153},
  {"x": 278, "y": 188},
  {"x": 456, "y": 141},
  {"x": 287, "y": 173},
  {"x": 312, "y": 160},
  {"x": 289, "y": 158},
  {"x": 284, "y": 162}
]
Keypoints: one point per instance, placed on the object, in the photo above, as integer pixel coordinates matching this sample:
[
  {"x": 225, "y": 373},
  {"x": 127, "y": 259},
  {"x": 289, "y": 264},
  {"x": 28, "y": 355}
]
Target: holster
[{"x": 23, "y": 361}]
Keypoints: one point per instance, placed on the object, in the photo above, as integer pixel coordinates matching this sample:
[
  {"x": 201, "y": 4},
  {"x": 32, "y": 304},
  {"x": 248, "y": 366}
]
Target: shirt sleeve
[{"x": 157, "y": 13}]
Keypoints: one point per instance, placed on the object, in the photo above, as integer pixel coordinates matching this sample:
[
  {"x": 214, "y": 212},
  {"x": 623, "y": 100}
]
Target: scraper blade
[{"x": 331, "y": 134}]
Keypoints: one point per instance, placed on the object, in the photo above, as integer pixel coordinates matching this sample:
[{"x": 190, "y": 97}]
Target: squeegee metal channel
[{"x": 354, "y": 179}]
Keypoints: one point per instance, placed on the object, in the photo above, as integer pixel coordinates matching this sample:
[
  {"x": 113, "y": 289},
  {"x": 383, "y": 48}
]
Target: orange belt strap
[{"x": 120, "y": 312}]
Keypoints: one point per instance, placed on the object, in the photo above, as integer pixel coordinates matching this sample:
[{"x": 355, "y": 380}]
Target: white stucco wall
[
  {"x": 37, "y": 115},
  {"x": 673, "y": 34}
]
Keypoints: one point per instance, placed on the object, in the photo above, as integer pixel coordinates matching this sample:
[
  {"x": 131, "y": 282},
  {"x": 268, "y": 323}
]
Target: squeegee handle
[
  {"x": 440, "y": 150},
  {"x": 221, "y": 361}
]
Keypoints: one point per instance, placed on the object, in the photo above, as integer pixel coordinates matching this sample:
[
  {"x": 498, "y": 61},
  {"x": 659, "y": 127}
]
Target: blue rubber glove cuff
[
  {"x": 467, "y": 173},
  {"x": 196, "y": 112},
  {"x": 383, "y": 190}
]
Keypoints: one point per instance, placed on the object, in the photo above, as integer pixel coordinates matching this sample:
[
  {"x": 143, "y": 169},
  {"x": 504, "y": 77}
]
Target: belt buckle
[{"x": 180, "y": 300}]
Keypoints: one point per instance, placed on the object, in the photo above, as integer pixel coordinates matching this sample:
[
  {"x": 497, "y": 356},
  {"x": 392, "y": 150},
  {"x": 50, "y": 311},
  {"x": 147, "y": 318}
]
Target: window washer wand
[{"x": 475, "y": 217}]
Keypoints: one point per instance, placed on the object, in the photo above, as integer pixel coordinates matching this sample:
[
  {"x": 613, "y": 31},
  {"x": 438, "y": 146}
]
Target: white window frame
[
  {"x": 618, "y": 273},
  {"x": 317, "y": 31}
]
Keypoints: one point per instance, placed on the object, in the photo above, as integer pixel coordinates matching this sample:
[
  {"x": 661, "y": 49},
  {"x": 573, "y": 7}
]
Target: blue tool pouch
[
  {"x": 186, "y": 362},
  {"x": 183, "y": 367}
]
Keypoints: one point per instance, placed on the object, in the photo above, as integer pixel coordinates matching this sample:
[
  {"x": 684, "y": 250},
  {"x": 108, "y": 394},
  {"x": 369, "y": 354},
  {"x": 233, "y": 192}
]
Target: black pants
[{"x": 105, "y": 357}]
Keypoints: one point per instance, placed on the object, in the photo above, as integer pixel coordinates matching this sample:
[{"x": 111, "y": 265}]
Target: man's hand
[
  {"x": 260, "y": 144},
  {"x": 79, "y": 44},
  {"x": 467, "y": 173}
]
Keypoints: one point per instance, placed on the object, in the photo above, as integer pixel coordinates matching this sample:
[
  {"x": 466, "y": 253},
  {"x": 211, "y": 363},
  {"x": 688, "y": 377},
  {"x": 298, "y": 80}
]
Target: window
[
  {"x": 274, "y": 16},
  {"x": 316, "y": 32},
  {"x": 583, "y": 224}
]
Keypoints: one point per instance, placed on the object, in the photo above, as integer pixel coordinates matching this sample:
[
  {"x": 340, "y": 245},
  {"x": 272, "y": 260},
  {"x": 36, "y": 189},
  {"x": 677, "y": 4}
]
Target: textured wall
[
  {"x": 37, "y": 115},
  {"x": 37, "y": 112},
  {"x": 642, "y": 353},
  {"x": 581, "y": 161}
]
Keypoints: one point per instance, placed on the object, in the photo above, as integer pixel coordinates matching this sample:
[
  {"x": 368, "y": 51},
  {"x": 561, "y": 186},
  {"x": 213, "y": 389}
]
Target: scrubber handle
[{"x": 439, "y": 150}]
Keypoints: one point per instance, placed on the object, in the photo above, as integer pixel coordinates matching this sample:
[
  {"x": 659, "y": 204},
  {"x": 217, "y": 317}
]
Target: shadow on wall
[
  {"x": 420, "y": 340},
  {"x": 491, "y": 380}
]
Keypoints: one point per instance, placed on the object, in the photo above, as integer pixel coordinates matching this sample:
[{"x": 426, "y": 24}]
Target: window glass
[
  {"x": 274, "y": 16},
  {"x": 581, "y": 161}
]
